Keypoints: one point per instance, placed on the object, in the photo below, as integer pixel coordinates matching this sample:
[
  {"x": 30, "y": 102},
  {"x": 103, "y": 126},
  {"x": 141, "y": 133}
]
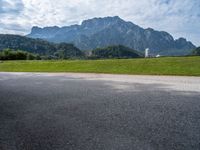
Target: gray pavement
[{"x": 98, "y": 112}]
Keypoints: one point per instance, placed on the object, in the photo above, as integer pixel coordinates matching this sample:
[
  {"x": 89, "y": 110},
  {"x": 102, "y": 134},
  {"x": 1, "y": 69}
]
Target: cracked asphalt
[{"x": 43, "y": 111}]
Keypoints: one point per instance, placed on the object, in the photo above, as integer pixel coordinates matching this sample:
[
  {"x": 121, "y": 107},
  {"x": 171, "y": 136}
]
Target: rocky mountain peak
[
  {"x": 102, "y": 32},
  {"x": 102, "y": 21},
  {"x": 35, "y": 29}
]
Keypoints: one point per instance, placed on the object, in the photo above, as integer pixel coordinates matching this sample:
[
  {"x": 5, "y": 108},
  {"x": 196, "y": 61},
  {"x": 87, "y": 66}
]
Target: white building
[
  {"x": 157, "y": 56},
  {"x": 146, "y": 52}
]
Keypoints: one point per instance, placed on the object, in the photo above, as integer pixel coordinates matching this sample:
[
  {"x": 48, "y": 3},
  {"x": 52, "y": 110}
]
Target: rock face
[{"x": 102, "y": 32}]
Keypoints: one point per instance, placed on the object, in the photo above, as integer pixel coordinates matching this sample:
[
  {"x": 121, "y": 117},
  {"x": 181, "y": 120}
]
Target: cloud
[
  {"x": 8, "y": 6},
  {"x": 178, "y": 17}
]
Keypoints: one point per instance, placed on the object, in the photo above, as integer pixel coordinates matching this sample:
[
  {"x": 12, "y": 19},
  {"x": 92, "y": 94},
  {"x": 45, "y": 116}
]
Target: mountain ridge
[{"x": 102, "y": 32}]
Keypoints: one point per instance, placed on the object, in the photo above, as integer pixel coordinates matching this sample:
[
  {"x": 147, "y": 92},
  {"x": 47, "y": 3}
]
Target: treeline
[{"x": 9, "y": 54}]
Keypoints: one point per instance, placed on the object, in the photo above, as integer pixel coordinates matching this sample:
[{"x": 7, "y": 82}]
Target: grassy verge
[{"x": 189, "y": 66}]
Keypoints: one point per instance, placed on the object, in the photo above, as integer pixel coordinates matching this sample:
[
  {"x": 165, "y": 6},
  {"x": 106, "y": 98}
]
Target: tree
[{"x": 9, "y": 54}]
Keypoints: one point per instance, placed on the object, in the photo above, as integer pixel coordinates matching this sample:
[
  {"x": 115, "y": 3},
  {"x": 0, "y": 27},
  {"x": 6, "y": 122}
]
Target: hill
[
  {"x": 115, "y": 52},
  {"x": 197, "y": 51},
  {"x": 102, "y": 32},
  {"x": 38, "y": 46}
]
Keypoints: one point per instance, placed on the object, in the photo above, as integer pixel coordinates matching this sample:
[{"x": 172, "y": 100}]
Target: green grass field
[{"x": 189, "y": 66}]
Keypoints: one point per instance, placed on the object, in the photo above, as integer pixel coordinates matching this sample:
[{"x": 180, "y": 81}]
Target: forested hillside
[
  {"x": 38, "y": 46},
  {"x": 118, "y": 51},
  {"x": 197, "y": 51}
]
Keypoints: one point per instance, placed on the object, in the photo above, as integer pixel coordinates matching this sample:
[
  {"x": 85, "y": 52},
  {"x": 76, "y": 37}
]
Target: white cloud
[{"x": 179, "y": 17}]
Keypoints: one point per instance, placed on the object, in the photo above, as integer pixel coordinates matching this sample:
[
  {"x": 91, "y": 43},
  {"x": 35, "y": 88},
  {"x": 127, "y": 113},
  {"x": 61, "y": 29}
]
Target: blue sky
[{"x": 181, "y": 18}]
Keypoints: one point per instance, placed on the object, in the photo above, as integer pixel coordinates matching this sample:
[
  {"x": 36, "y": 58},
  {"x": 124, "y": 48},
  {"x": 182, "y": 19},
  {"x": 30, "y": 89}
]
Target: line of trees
[
  {"x": 67, "y": 51},
  {"x": 9, "y": 54}
]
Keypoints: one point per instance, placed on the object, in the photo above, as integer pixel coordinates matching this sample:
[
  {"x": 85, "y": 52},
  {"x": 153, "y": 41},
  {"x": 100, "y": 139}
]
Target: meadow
[{"x": 183, "y": 66}]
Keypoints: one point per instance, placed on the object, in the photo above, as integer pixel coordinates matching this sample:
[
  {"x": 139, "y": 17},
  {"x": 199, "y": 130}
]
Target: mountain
[
  {"x": 38, "y": 46},
  {"x": 102, "y": 32},
  {"x": 117, "y": 51}
]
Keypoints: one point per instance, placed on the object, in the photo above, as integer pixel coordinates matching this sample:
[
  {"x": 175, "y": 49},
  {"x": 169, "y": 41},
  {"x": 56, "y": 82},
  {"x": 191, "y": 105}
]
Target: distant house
[{"x": 157, "y": 56}]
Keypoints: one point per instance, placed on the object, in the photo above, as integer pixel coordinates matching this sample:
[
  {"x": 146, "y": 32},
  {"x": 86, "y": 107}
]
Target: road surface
[{"x": 98, "y": 112}]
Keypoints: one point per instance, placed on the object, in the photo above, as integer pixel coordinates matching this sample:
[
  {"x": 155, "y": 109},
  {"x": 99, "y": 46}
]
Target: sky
[{"x": 181, "y": 18}]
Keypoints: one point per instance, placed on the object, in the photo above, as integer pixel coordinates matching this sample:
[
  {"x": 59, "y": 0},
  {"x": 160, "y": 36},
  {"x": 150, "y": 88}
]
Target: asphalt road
[{"x": 98, "y": 112}]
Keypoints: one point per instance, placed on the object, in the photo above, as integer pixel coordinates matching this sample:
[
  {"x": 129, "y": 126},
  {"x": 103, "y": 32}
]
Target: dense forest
[{"x": 118, "y": 51}]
